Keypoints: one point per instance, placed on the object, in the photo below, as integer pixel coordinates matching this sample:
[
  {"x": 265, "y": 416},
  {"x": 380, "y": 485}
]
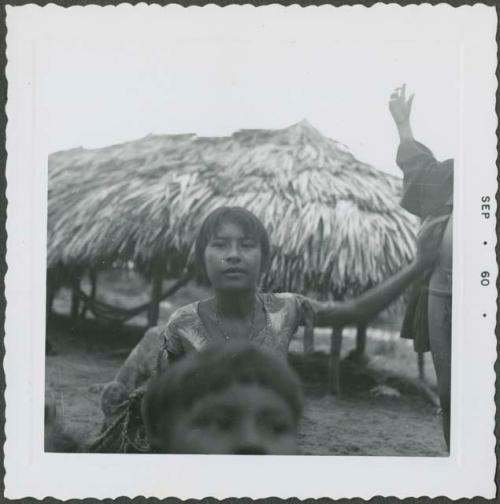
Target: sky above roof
[{"x": 110, "y": 75}]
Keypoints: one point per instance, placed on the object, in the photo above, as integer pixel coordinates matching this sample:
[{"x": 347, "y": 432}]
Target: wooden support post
[
  {"x": 308, "y": 341},
  {"x": 93, "y": 291},
  {"x": 75, "y": 300},
  {"x": 156, "y": 291},
  {"x": 334, "y": 363},
  {"x": 421, "y": 365},
  {"x": 360, "y": 340},
  {"x": 50, "y": 294}
]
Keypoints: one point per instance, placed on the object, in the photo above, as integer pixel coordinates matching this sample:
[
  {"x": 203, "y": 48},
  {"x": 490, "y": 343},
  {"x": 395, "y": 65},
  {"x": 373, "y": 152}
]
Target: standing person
[
  {"x": 428, "y": 193},
  {"x": 233, "y": 251}
]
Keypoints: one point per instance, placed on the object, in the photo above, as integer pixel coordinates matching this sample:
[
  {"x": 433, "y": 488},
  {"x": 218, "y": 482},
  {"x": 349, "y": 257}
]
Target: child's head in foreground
[{"x": 228, "y": 398}]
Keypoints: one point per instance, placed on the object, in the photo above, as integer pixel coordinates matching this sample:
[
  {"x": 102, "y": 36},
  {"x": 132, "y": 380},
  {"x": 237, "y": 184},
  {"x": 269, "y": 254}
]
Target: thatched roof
[{"x": 335, "y": 222}]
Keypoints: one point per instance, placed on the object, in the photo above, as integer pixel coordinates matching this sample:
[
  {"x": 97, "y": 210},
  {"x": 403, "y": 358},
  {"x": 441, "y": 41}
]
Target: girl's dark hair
[
  {"x": 250, "y": 224},
  {"x": 212, "y": 369}
]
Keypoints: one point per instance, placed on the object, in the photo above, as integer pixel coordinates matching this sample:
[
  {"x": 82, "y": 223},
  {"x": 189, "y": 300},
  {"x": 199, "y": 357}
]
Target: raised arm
[
  {"x": 366, "y": 306},
  {"x": 427, "y": 183}
]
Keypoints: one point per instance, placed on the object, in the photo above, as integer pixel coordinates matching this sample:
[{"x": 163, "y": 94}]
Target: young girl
[
  {"x": 428, "y": 193},
  {"x": 233, "y": 250}
]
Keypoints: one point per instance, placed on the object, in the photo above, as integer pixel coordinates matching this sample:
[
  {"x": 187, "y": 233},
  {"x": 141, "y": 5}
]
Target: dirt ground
[{"x": 381, "y": 410}]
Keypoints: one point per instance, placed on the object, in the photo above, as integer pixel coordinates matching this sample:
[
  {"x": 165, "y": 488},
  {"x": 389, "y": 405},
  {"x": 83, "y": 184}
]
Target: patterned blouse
[{"x": 185, "y": 332}]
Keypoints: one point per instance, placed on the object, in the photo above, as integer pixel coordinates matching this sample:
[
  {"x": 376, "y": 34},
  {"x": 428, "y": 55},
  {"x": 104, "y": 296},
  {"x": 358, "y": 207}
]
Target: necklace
[{"x": 221, "y": 327}]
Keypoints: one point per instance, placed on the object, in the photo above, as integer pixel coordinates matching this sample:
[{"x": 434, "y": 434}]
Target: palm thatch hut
[{"x": 335, "y": 223}]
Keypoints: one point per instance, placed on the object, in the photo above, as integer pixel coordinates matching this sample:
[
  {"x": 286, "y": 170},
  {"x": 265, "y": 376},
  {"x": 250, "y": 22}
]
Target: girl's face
[{"x": 233, "y": 259}]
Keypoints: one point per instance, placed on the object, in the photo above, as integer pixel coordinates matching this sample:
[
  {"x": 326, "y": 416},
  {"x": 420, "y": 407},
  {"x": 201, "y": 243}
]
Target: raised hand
[{"x": 400, "y": 106}]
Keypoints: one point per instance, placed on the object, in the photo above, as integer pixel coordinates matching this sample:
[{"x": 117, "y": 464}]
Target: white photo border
[{"x": 470, "y": 469}]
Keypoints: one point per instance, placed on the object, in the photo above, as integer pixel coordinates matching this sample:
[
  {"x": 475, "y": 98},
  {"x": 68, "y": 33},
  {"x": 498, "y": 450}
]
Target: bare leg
[{"x": 440, "y": 341}]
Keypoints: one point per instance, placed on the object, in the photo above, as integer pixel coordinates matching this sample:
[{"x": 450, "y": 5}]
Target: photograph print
[
  {"x": 249, "y": 244},
  {"x": 239, "y": 231}
]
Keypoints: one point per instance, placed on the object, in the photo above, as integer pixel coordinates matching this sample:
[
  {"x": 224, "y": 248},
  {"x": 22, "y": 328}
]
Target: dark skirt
[{"x": 416, "y": 321}]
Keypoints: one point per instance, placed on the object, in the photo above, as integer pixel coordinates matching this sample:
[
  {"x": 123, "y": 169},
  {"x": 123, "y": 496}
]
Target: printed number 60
[{"x": 485, "y": 278}]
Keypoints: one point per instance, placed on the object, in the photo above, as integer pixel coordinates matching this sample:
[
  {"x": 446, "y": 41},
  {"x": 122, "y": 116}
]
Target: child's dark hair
[
  {"x": 250, "y": 224},
  {"x": 212, "y": 369}
]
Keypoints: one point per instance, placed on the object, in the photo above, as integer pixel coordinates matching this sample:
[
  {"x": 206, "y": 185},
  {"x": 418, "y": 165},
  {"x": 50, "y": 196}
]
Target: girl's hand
[
  {"x": 429, "y": 241},
  {"x": 399, "y": 106}
]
